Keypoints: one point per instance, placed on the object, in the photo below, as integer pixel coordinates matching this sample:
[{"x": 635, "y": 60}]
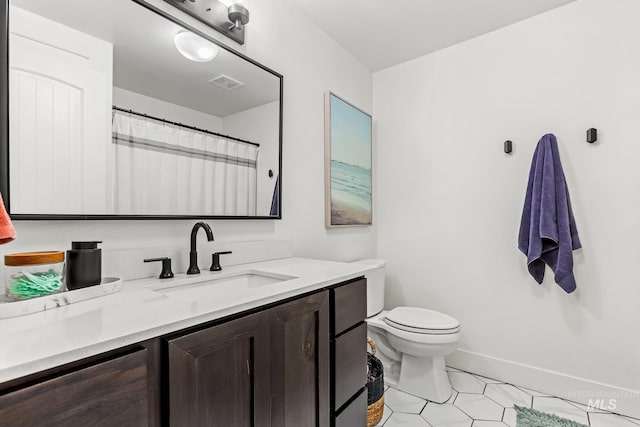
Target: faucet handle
[
  {"x": 215, "y": 260},
  {"x": 166, "y": 266}
]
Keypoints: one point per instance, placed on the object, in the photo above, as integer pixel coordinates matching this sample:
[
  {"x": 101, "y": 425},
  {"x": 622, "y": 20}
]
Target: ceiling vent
[{"x": 225, "y": 82}]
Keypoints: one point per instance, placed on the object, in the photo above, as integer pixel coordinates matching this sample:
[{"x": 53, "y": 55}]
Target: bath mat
[{"x": 526, "y": 417}]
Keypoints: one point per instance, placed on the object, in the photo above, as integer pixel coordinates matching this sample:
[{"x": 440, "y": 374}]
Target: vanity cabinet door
[
  {"x": 220, "y": 376},
  {"x": 300, "y": 362},
  {"x": 109, "y": 393}
]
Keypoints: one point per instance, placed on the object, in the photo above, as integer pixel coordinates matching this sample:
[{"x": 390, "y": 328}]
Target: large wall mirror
[{"x": 108, "y": 119}]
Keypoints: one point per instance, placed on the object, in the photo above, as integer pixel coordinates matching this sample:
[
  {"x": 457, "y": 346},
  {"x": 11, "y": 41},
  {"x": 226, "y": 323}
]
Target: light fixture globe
[{"x": 194, "y": 47}]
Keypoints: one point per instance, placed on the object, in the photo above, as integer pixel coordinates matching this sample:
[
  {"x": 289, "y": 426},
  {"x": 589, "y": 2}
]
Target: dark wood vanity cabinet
[
  {"x": 299, "y": 363},
  {"x": 113, "y": 392},
  {"x": 349, "y": 354},
  {"x": 221, "y": 375},
  {"x": 270, "y": 368}
]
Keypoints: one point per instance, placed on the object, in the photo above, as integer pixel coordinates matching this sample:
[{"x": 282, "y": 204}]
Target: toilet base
[{"x": 425, "y": 377}]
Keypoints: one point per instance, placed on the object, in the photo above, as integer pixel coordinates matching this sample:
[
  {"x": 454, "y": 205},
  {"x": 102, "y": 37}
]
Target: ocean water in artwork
[{"x": 350, "y": 194}]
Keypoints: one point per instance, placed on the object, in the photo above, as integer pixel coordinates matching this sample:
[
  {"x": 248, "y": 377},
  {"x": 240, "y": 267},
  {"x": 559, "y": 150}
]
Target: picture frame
[{"x": 348, "y": 164}]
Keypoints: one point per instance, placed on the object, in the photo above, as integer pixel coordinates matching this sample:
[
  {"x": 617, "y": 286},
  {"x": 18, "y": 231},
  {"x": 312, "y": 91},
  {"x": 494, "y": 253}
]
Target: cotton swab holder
[{"x": 33, "y": 274}]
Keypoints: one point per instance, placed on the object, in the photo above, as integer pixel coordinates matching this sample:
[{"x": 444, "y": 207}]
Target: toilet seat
[
  {"x": 421, "y": 321},
  {"x": 379, "y": 321}
]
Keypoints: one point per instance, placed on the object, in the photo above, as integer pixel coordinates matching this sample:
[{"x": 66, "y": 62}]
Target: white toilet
[{"x": 411, "y": 342}]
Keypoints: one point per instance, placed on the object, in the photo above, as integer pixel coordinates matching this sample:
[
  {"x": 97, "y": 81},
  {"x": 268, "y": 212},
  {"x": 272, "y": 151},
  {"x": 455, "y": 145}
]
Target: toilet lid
[{"x": 421, "y": 320}]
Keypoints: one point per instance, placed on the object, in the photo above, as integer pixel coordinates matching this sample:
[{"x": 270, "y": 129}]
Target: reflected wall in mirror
[{"x": 108, "y": 119}]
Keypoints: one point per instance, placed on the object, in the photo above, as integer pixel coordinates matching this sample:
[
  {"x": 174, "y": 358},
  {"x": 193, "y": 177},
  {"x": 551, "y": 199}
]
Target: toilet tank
[{"x": 375, "y": 285}]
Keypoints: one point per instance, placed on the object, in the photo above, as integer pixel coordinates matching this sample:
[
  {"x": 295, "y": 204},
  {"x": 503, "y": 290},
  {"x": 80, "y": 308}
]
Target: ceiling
[
  {"x": 381, "y": 34},
  {"x": 146, "y": 61}
]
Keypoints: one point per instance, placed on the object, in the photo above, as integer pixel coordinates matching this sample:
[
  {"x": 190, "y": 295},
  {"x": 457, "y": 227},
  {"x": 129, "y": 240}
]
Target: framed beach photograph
[{"x": 347, "y": 135}]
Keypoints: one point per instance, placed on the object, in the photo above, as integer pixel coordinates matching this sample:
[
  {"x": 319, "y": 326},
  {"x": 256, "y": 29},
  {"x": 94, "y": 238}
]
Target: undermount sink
[{"x": 212, "y": 286}]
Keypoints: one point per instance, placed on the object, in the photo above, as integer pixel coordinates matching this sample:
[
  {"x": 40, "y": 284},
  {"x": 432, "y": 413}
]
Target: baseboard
[{"x": 607, "y": 397}]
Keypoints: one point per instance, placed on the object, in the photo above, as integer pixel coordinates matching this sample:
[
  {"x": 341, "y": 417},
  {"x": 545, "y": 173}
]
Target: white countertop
[{"x": 40, "y": 341}]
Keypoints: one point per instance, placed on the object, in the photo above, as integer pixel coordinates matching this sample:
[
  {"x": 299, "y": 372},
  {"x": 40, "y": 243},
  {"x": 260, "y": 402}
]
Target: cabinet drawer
[
  {"x": 354, "y": 415},
  {"x": 111, "y": 393},
  {"x": 350, "y": 364},
  {"x": 350, "y": 305}
]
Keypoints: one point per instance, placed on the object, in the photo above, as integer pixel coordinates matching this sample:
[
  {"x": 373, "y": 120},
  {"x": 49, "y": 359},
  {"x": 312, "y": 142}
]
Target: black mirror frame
[{"x": 4, "y": 130}]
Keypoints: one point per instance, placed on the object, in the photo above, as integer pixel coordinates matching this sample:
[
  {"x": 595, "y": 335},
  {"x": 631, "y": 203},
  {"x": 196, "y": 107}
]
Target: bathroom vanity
[{"x": 290, "y": 351}]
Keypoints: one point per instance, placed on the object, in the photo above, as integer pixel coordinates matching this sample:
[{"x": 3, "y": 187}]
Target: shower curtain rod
[{"x": 184, "y": 126}]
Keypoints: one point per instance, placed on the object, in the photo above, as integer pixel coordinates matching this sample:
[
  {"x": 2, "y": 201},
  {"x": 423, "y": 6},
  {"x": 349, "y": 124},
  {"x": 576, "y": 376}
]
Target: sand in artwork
[{"x": 350, "y": 194}]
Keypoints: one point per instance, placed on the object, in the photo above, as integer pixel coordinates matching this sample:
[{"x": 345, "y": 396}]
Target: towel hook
[
  {"x": 592, "y": 135},
  {"x": 508, "y": 146}
]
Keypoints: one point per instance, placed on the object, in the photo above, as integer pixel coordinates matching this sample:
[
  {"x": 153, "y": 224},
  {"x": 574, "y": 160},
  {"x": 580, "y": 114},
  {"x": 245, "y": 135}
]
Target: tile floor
[{"x": 482, "y": 402}]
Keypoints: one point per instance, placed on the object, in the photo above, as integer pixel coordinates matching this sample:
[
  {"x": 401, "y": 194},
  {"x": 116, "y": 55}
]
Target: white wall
[
  {"x": 283, "y": 39},
  {"x": 257, "y": 125},
  {"x": 449, "y": 200},
  {"x": 165, "y": 110}
]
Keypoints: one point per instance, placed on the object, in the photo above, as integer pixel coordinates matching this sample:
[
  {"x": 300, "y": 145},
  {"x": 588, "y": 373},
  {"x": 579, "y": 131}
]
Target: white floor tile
[
  {"x": 560, "y": 408},
  {"x": 509, "y": 417},
  {"x": 609, "y": 420},
  {"x": 466, "y": 383},
  {"x": 478, "y": 401},
  {"x": 445, "y": 415},
  {"x": 399, "y": 401},
  {"x": 479, "y": 407},
  {"x": 633, "y": 420},
  {"x": 586, "y": 408},
  {"x": 386, "y": 413},
  {"x": 406, "y": 420},
  {"x": 532, "y": 392},
  {"x": 508, "y": 395},
  {"x": 454, "y": 394}
]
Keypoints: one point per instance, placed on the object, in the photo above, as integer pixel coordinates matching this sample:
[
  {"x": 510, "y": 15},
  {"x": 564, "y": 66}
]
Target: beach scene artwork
[{"x": 349, "y": 164}]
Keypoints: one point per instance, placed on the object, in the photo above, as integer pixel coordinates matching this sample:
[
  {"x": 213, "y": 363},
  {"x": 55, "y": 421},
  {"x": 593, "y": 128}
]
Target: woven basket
[
  {"x": 375, "y": 387},
  {"x": 375, "y": 412}
]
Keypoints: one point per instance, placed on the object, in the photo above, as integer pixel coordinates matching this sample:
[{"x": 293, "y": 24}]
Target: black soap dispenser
[{"x": 84, "y": 265}]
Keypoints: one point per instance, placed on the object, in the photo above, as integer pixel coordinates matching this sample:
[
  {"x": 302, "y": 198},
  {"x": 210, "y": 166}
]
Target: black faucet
[{"x": 193, "y": 255}]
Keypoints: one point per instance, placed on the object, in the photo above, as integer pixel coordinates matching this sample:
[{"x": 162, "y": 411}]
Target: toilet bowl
[{"x": 412, "y": 342}]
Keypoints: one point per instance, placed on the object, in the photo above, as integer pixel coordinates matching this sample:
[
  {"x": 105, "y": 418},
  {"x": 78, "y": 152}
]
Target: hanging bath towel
[
  {"x": 7, "y": 232},
  {"x": 548, "y": 233}
]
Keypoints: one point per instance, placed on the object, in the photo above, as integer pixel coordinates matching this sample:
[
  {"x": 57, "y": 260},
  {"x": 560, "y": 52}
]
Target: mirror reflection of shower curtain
[{"x": 162, "y": 169}]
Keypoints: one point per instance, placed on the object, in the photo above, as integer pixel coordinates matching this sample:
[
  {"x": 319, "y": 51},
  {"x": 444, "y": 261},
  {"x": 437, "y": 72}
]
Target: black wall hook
[
  {"x": 592, "y": 135},
  {"x": 508, "y": 146}
]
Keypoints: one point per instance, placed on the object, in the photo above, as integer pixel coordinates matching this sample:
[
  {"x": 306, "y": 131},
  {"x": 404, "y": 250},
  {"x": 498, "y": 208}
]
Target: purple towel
[
  {"x": 548, "y": 233},
  {"x": 275, "y": 200}
]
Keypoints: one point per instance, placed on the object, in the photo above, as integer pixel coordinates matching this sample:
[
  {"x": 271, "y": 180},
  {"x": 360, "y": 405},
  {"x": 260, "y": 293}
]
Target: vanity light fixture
[
  {"x": 228, "y": 17},
  {"x": 194, "y": 47},
  {"x": 238, "y": 13}
]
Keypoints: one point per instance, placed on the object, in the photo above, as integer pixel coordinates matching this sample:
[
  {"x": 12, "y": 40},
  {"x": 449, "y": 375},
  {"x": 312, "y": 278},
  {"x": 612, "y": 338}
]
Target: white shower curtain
[{"x": 162, "y": 169}]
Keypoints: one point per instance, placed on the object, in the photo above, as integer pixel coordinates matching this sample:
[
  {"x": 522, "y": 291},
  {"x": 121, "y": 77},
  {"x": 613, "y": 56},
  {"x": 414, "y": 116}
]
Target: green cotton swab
[{"x": 31, "y": 285}]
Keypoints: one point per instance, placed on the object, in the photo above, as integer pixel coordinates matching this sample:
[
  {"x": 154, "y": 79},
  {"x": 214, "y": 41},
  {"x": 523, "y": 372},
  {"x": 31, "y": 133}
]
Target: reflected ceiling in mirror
[{"x": 108, "y": 118}]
